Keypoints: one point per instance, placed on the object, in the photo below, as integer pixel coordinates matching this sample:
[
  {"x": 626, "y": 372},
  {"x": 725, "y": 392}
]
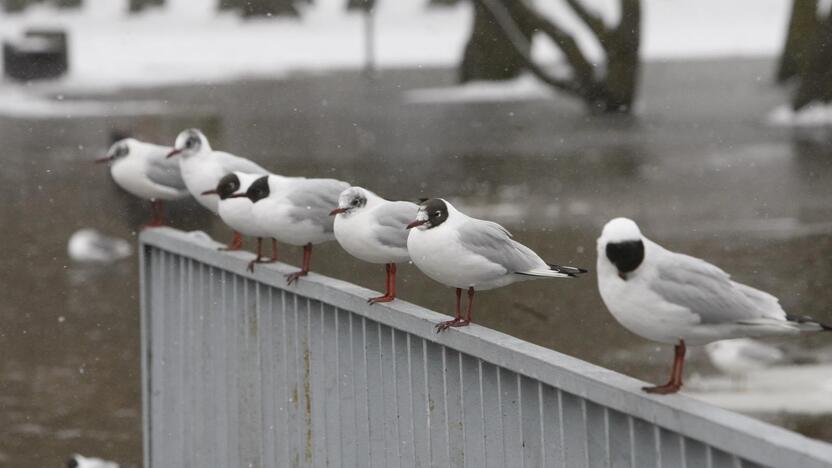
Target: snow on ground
[
  {"x": 813, "y": 115},
  {"x": 524, "y": 87},
  {"x": 187, "y": 42}
]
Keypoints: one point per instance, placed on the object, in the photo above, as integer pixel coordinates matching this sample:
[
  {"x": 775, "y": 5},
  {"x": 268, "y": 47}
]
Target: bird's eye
[
  {"x": 437, "y": 213},
  {"x": 354, "y": 202}
]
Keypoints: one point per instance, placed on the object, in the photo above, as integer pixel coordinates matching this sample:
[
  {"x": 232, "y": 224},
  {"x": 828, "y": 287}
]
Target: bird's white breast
[
  {"x": 237, "y": 214},
  {"x": 440, "y": 255},
  {"x": 200, "y": 174},
  {"x": 355, "y": 233},
  {"x": 273, "y": 216}
]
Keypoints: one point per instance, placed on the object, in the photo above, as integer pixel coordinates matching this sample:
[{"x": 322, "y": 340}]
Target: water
[{"x": 697, "y": 169}]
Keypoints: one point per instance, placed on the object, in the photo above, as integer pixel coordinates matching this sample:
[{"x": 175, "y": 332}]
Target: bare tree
[
  {"x": 807, "y": 54},
  {"x": 500, "y": 47}
]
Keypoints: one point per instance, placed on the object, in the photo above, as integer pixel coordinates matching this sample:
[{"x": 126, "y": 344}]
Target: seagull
[
  {"x": 467, "y": 253},
  {"x": 142, "y": 170},
  {"x": 370, "y": 228},
  {"x": 677, "y": 299},
  {"x": 295, "y": 211},
  {"x": 236, "y": 211},
  {"x": 740, "y": 356},
  {"x": 79, "y": 461},
  {"x": 202, "y": 168}
]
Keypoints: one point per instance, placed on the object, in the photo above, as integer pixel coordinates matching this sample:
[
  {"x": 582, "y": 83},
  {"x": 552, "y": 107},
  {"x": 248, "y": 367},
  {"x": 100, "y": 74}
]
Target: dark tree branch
[
  {"x": 504, "y": 19},
  {"x": 592, "y": 21}
]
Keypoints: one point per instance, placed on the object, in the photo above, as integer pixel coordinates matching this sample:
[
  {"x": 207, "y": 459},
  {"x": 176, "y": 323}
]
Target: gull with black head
[
  {"x": 235, "y": 208},
  {"x": 202, "y": 168},
  {"x": 681, "y": 300},
  {"x": 142, "y": 170},
  {"x": 295, "y": 211},
  {"x": 370, "y": 228},
  {"x": 467, "y": 253}
]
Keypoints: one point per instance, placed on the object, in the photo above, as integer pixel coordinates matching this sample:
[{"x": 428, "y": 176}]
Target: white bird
[
  {"x": 467, "y": 253},
  {"x": 79, "y": 461},
  {"x": 90, "y": 246},
  {"x": 235, "y": 211},
  {"x": 202, "y": 168},
  {"x": 740, "y": 356},
  {"x": 371, "y": 229},
  {"x": 677, "y": 299},
  {"x": 143, "y": 171},
  {"x": 295, "y": 211}
]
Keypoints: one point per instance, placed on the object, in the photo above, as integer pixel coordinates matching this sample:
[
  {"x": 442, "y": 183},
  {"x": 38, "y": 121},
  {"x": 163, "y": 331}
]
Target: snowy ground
[{"x": 187, "y": 42}]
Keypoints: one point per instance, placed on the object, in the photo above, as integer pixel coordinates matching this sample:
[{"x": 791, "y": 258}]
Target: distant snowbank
[
  {"x": 185, "y": 41},
  {"x": 524, "y": 87},
  {"x": 813, "y": 115}
]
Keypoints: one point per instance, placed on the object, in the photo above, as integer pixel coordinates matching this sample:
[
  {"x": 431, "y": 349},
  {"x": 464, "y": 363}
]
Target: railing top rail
[{"x": 744, "y": 436}]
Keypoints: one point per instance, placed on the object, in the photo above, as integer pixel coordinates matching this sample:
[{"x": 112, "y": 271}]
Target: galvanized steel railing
[{"x": 240, "y": 370}]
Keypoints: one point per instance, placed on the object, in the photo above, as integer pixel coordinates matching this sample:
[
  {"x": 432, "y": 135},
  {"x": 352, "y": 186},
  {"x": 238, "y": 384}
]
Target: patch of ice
[
  {"x": 524, "y": 87},
  {"x": 90, "y": 246},
  {"x": 813, "y": 115}
]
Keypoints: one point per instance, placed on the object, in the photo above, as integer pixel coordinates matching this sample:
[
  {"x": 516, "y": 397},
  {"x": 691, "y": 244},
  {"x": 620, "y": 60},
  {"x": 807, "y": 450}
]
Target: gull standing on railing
[
  {"x": 235, "y": 211},
  {"x": 295, "y": 211},
  {"x": 202, "y": 168},
  {"x": 676, "y": 299},
  {"x": 370, "y": 228},
  {"x": 142, "y": 170},
  {"x": 467, "y": 253}
]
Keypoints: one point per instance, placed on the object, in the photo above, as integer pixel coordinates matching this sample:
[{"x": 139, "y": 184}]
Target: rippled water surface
[{"x": 698, "y": 169}]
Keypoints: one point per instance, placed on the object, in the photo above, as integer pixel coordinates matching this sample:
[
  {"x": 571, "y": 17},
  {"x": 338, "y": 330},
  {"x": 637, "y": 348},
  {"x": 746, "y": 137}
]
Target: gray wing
[
  {"x": 709, "y": 292},
  {"x": 494, "y": 242},
  {"x": 392, "y": 218},
  {"x": 233, "y": 163},
  {"x": 165, "y": 172},
  {"x": 314, "y": 199}
]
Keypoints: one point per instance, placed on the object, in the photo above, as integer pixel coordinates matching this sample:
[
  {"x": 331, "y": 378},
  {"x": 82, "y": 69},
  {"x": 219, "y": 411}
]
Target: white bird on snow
[
  {"x": 467, "y": 253},
  {"x": 372, "y": 229},
  {"x": 143, "y": 170},
  {"x": 202, "y": 168},
  {"x": 681, "y": 300}
]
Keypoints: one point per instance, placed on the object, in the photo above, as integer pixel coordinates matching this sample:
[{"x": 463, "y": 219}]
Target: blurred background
[{"x": 708, "y": 122}]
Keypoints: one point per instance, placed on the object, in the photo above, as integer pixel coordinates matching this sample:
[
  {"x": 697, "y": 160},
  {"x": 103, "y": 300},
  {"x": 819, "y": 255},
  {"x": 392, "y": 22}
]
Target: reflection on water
[{"x": 696, "y": 170}]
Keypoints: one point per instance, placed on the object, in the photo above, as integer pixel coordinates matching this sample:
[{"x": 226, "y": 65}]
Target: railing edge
[{"x": 760, "y": 442}]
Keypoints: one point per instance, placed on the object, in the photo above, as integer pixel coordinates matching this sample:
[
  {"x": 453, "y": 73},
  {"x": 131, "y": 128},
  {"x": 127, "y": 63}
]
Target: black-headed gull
[
  {"x": 681, "y": 300},
  {"x": 295, "y": 211},
  {"x": 142, "y": 170},
  {"x": 202, "y": 168},
  {"x": 467, "y": 253},
  {"x": 236, "y": 211},
  {"x": 370, "y": 228},
  {"x": 79, "y": 461}
]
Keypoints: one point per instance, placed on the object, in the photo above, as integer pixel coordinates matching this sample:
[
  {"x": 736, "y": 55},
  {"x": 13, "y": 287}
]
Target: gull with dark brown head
[
  {"x": 681, "y": 300},
  {"x": 472, "y": 254}
]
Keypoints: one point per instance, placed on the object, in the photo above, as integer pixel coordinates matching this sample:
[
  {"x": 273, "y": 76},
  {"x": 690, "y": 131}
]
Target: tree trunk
[
  {"x": 800, "y": 40},
  {"x": 622, "y": 48},
  {"x": 489, "y": 53},
  {"x": 139, "y": 5},
  {"x": 816, "y": 81}
]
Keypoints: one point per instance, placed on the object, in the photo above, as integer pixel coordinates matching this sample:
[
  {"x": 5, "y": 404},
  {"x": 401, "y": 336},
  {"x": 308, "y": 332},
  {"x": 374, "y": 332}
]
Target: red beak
[
  {"x": 173, "y": 153},
  {"x": 209, "y": 192},
  {"x": 337, "y": 211},
  {"x": 416, "y": 223},
  {"x": 103, "y": 160}
]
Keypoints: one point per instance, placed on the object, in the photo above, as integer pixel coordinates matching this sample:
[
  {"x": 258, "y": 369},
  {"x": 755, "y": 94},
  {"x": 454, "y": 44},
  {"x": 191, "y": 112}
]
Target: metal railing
[{"x": 240, "y": 370}]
